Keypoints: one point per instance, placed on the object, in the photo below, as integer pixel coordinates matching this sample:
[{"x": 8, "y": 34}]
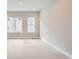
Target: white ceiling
[{"x": 27, "y": 5}]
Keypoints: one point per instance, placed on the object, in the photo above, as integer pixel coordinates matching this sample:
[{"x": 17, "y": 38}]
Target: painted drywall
[
  {"x": 27, "y": 5},
  {"x": 56, "y": 25}
]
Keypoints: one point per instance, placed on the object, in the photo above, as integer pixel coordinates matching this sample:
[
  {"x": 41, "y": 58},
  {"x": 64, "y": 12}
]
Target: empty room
[{"x": 39, "y": 29}]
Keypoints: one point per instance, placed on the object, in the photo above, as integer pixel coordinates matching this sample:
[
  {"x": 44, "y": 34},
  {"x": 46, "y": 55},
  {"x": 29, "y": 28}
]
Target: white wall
[{"x": 56, "y": 25}]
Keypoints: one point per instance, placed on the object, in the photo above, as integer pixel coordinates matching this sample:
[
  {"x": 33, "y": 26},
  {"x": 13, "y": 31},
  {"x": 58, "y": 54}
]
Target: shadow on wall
[{"x": 56, "y": 25}]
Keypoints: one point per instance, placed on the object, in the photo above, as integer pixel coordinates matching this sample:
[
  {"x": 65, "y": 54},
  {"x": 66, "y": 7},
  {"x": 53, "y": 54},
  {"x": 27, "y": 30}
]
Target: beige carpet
[{"x": 31, "y": 49}]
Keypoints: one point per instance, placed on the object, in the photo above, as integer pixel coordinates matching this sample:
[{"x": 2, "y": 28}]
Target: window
[
  {"x": 31, "y": 24},
  {"x": 14, "y": 24},
  {"x": 18, "y": 24}
]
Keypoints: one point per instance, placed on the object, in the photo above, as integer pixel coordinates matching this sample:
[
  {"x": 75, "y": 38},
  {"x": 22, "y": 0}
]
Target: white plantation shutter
[
  {"x": 31, "y": 24},
  {"x": 14, "y": 24}
]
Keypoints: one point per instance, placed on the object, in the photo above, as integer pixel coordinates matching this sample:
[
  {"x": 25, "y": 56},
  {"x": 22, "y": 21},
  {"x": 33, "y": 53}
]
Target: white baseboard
[{"x": 57, "y": 48}]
